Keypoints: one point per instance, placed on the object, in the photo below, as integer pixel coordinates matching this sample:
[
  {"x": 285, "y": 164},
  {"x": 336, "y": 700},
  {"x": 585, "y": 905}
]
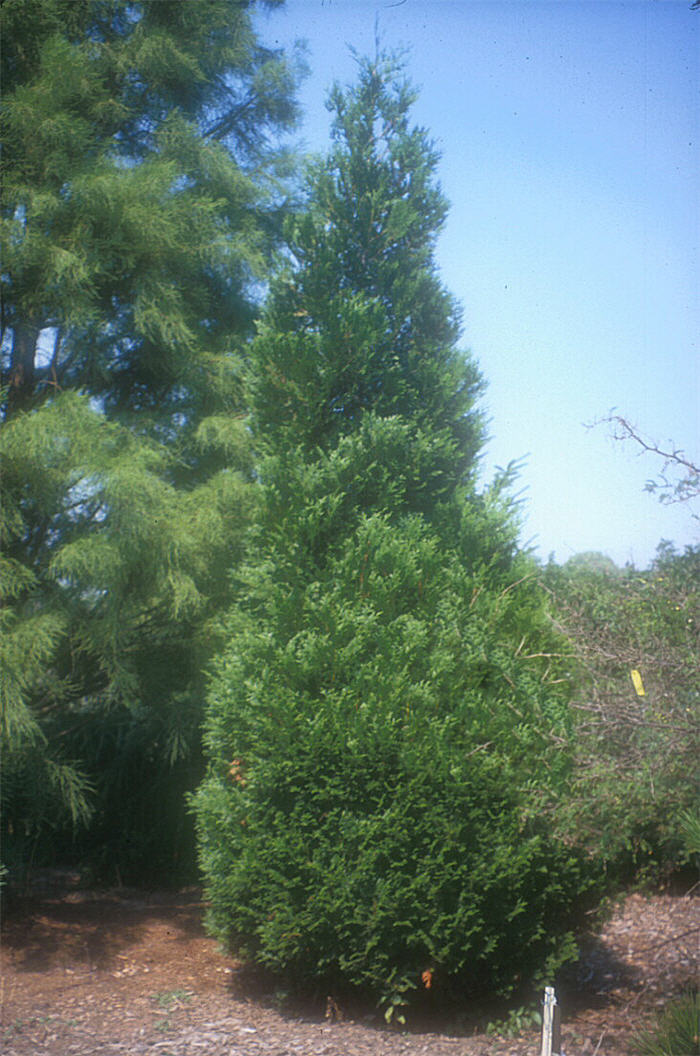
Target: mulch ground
[{"x": 125, "y": 973}]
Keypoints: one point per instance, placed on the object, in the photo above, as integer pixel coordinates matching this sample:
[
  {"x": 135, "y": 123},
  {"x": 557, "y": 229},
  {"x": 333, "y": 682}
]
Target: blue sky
[{"x": 570, "y": 141}]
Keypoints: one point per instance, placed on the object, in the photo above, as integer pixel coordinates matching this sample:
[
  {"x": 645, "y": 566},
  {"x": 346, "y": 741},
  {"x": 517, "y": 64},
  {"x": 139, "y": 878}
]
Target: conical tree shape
[
  {"x": 364, "y": 324},
  {"x": 386, "y": 723}
]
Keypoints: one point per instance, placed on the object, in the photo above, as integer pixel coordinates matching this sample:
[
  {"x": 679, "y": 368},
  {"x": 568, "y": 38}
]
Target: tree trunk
[{"x": 22, "y": 373}]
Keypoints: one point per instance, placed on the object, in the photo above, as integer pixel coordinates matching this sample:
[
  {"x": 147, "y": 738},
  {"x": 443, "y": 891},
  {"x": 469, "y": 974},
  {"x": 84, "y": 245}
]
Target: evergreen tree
[
  {"x": 141, "y": 209},
  {"x": 388, "y": 723}
]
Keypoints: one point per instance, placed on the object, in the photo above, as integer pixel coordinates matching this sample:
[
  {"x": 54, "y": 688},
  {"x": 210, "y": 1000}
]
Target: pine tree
[
  {"x": 142, "y": 196},
  {"x": 388, "y": 724}
]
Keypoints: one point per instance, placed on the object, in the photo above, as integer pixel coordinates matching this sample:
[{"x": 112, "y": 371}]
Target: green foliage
[
  {"x": 141, "y": 210},
  {"x": 395, "y": 998},
  {"x": 387, "y": 728},
  {"x": 677, "y": 1033},
  {"x": 373, "y": 808},
  {"x": 636, "y": 755},
  {"x": 363, "y": 322},
  {"x": 517, "y": 1020},
  {"x": 690, "y": 831},
  {"x": 168, "y": 999}
]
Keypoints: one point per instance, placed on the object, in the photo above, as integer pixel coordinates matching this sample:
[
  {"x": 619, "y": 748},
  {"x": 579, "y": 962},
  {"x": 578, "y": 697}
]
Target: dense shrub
[
  {"x": 387, "y": 742},
  {"x": 635, "y": 788}
]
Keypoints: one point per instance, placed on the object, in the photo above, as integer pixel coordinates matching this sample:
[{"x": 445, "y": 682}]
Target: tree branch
[{"x": 682, "y": 490}]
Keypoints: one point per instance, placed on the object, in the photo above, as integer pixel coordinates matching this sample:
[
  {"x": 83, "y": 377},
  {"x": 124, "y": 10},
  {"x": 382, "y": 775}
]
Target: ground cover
[{"x": 115, "y": 972}]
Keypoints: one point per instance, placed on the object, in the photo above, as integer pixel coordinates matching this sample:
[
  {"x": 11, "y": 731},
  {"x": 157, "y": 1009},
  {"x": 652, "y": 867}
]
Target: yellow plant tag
[{"x": 637, "y": 683}]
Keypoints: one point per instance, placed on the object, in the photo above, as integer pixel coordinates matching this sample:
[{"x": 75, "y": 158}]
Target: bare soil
[{"x": 123, "y": 973}]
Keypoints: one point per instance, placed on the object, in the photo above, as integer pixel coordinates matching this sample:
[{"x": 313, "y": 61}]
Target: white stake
[{"x": 548, "y": 1021}]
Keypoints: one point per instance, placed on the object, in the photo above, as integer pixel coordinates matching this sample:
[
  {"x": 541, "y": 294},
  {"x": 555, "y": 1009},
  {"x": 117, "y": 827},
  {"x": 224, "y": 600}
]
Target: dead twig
[{"x": 665, "y": 942}]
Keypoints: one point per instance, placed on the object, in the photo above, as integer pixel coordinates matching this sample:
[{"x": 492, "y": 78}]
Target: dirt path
[{"x": 117, "y": 973}]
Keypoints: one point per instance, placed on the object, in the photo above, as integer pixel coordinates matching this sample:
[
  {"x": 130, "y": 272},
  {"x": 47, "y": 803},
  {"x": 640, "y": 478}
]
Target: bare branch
[{"x": 683, "y": 488}]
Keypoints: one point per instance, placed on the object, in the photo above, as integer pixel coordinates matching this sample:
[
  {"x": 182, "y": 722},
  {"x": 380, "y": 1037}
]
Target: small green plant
[
  {"x": 280, "y": 998},
  {"x": 392, "y": 1012},
  {"x": 690, "y": 832},
  {"x": 395, "y": 999},
  {"x": 517, "y": 1020},
  {"x": 169, "y": 999},
  {"x": 677, "y": 1032}
]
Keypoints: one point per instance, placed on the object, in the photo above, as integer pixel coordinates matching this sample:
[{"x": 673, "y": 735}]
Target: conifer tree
[
  {"x": 142, "y": 198},
  {"x": 388, "y": 724}
]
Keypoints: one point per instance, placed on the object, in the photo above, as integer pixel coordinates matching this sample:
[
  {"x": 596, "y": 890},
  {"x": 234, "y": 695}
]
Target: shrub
[
  {"x": 385, "y": 762},
  {"x": 677, "y": 1032},
  {"x": 635, "y": 755}
]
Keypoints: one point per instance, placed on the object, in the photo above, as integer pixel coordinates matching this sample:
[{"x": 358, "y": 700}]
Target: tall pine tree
[
  {"x": 388, "y": 724},
  {"x": 141, "y": 209}
]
